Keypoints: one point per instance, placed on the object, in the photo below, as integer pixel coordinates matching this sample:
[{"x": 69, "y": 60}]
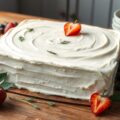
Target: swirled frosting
[{"x": 73, "y": 66}]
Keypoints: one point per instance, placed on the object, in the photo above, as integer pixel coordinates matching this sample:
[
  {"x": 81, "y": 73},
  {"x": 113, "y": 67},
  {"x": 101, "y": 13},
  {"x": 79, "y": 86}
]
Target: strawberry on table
[
  {"x": 9, "y": 26},
  {"x": 3, "y": 95},
  {"x": 71, "y": 29},
  {"x": 2, "y": 27},
  {"x": 99, "y": 104}
]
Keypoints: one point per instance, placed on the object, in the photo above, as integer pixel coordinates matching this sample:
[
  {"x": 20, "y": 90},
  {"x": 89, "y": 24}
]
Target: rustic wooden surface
[
  {"x": 49, "y": 97},
  {"x": 14, "y": 110}
]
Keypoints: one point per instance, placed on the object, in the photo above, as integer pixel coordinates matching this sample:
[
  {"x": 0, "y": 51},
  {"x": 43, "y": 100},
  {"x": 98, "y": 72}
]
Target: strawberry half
[
  {"x": 99, "y": 104},
  {"x": 3, "y": 95},
  {"x": 9, "y": 26},
  {"x": 71, "y": 29}
]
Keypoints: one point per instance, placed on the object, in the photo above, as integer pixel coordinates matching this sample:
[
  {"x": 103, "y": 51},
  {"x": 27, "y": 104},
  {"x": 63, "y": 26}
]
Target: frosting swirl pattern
[{"x": 95, "y": 47}]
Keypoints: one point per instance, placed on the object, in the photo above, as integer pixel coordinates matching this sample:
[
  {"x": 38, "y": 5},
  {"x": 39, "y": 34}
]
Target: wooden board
[
  {"x": 11, "y": 17},
  {"x": 14, "y": 110},
  {"x": 50, "y": 97}
]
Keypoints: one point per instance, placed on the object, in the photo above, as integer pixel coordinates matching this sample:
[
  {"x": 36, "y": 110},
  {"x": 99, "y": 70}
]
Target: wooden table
[{"x": 14, "y": 110}]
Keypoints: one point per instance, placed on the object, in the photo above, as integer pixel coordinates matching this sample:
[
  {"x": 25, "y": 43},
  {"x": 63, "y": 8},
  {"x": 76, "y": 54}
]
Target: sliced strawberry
[
  {"x": 71, "y": 29},
  {"x": 9, "y": 26},
  {"x": 99, "y": 104},
  {"x": 3, "y": 95}
]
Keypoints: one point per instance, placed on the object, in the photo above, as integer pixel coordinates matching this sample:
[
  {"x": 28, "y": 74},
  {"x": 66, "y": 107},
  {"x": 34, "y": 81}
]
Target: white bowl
[
  {"x": 115, "y": 24},
  {"x": 115, "y": 27},
  {"x": 115, "y": 21},
  {"x": 117, "y": 16}
]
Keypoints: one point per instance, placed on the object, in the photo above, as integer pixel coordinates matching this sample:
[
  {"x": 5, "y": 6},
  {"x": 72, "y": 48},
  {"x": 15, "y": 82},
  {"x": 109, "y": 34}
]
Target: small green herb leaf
[
  {"x": 36, "y": 106},
  {"x": 21, "y": 38},
  {"x": 30, "y": 29},
  {"x": 3, "y": 81},
  {"x": 52, "y": 52},
  {"x": 65, "y": 42},
  {"x": 50, "y": 103},
  {"x": 3, "y": 76},
  {"x": 29, "y": 99},
  {"x": 7, "y": 85}
]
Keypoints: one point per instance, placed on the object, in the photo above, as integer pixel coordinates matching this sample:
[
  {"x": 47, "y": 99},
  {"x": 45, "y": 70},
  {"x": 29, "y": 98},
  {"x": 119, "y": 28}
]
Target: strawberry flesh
[
  {"x": 99, "y": 104},
  {"x": 71, "y": 29},
  {"x": 9, "y": 26},
  {"x": 3, "y": 95}
]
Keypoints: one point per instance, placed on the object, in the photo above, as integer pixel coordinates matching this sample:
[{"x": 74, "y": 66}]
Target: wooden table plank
[
  {"x": 14, "y": 110},
  {"x": 49, "y": 97},
  {"x": 10, "y": 17}
]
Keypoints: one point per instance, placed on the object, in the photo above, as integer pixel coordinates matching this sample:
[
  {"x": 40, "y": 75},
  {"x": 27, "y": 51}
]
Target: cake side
[
  {"x": 47, "y": 61},
  {"x": 47, "y": 79}
]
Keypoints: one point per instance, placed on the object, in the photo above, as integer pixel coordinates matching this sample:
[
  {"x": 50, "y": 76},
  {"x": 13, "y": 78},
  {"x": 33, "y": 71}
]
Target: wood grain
[
  {"x": 50, "y": 97},
  {"x": 14, "y": 110},
  {"x": 12, "y": 17}
]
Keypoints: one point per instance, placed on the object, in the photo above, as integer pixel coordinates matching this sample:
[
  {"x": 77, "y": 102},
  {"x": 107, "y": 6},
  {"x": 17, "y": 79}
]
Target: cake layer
[
  {"x": 72, "y": 83},
  {"x": 39, "y": 57}
]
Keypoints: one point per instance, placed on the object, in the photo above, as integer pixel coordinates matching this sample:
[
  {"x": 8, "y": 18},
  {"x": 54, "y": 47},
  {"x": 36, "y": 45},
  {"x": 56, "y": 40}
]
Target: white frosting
[{"x": 49, "y": 62}]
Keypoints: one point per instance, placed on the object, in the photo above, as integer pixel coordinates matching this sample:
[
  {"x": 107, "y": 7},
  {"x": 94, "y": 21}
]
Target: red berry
[
  {"x": 99, "y": 104},
  {"x": 2, "y": 27},
  {"x": 71, "y": 29},
  {"x": 9, "y": 26},
  {"x": 3, "y": 95}
]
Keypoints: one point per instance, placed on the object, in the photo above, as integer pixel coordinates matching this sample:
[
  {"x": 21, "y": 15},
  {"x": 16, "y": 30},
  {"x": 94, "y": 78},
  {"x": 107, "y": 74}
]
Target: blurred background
[{"x": 94, "y": 12}]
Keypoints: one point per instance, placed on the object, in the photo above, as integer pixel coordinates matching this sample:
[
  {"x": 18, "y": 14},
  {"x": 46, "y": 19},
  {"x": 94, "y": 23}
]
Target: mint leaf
[
  {"x": 3, "y": 77},
  {"x": 52, "y": 52},
  {"x": 50, "y": 103},
  {"x": 3, "y": 81},
  {"x": 30, "y": 29},
  {"x": 65, "y": 42},
  {"x": 35, "y": 106},
  {"x": 29, "y": 99},
  {"x": 7, "y": 85},
  {"x": 21, "y": 38}
]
